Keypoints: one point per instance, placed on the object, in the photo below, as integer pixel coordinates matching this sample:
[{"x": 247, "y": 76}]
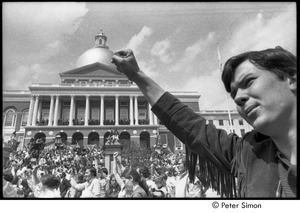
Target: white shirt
[
  {"x": 183, "y": 187},
  {"x": 90, "y": 188}
]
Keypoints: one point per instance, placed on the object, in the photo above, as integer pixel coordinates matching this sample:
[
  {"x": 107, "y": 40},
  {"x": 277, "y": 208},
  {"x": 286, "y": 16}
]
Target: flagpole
[{"x": 228, "y": 110}]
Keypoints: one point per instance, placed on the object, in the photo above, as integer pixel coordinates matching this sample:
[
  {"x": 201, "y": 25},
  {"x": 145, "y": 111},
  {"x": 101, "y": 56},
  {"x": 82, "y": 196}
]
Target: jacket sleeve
[{"x": 205, "y": 140}]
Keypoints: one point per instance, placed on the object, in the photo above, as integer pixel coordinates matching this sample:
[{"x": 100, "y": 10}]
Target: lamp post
[
  {"x": 157, "y": 145},
  {"x": 58, "y": 141}
]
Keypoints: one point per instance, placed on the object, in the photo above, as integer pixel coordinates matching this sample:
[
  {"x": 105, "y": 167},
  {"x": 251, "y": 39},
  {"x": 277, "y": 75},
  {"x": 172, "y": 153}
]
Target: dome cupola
[{"x": 99, "y": 53}]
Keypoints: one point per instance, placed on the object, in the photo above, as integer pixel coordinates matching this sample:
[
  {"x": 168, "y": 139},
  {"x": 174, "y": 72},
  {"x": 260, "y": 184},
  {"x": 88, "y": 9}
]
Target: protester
[
  {"x": 64, "y": 185},
  {"x": 263, "y": 85},
  {"x": 91, "y": 187},
  {"x": 45, "y": 186},
  {"x": 160, "y": 190},
  {"x": 113, "y": 187},
  {"x": 140, "y": 188}
]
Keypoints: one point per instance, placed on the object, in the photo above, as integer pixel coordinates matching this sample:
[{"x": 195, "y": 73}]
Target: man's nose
[{"x": 241, "y": 97}]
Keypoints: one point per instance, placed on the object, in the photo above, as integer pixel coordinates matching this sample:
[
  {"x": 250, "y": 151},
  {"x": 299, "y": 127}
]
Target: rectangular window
[
  {"x": 123, "y": 113},
  {"x": 80, "y": 113},
  {"x": 45, "y": 114},
  {"x": 109, "y": 114},
  {"x": 163, "y": 139},
  {"x": 46, "y": 103},
  {"x": 24, "y": 118},
  {"x": 178, "y": 143},
  {"x": 242, "y": 132},
  {"x": 241, "y": 122},
  {"x": 141, "y": 103},
  {"x": 95, "y": 113},
  {"x": 210, "y": 121},
  {"x": 65, "y": 114},
  {"x": 66, "y": 103},
  {"x": 142, "y": 113},
  {"x": 221, "y": 123},
  {"x": 123, "y": 103}
]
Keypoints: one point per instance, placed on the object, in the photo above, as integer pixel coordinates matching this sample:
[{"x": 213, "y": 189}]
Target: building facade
[{"x": 92, "y": 101}]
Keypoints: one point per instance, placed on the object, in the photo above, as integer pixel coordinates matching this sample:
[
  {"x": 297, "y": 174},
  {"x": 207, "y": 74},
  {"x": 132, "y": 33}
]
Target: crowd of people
[{"x": 63, "y": 171}]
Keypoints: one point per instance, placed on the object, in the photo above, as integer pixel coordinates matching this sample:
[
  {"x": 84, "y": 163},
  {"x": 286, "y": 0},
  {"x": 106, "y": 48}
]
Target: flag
[{"x": 219, "y": 57}]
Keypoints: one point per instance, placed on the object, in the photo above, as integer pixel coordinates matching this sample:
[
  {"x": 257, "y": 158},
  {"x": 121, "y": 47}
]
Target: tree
[{"x": 137, "y": 156}]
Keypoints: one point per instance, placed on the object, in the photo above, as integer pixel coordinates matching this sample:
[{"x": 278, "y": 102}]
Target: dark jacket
[
  {"x": 254, "y": 159},
  {"x": 64, "y": 187}
]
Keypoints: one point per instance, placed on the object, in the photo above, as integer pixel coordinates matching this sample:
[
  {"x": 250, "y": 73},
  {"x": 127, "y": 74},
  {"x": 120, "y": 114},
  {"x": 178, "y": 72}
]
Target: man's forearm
[{"x": 151, "y": 90}]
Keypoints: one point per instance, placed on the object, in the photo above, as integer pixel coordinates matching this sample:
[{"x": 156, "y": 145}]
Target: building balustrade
[
  {"x": 42, "y": 122},
  {"x": 109, "y": 122},
  {"x": 94, "y": 84},
  {"x": 124, "y": 122},
  {"x": 61, "y": 122},
  {"x": 76, "y": 122},
  {"x": 143, "y": 121}
]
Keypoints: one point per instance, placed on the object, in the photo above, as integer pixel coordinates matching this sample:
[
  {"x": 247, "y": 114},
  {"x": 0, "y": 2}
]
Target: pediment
[{"x": 93, "y": 70}]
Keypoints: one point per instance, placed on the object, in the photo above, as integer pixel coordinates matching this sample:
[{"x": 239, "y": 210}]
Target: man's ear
[{"x": 293, "y": 83}]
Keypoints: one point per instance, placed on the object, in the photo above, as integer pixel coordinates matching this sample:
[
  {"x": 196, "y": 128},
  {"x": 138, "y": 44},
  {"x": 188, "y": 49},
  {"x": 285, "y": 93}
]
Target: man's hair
[
  {"x": 276, "y": 60},
  {"x": 8, "y": 176},
  {"x": 104, "y": 170},
  {"x": 93, "y": 171},
  {"x": 144, "y": 171},
  {"x": 63, "y": 175},
  {"x": 51, "y": 181}
]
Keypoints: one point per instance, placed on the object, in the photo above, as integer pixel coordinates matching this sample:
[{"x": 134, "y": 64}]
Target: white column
[
  {"x": 155, "y": 120},
  {"x": 39, "y": 113},
  {"x": 131, "y": 110},
  {"x": 117, "y": 110},
  {"x": 30, "y": 111},
  {"x": 35, "y": 110},
  {"x": 87, "y": 110},
  {"x": 136, "y": 110},
  {"x": 71, "y": 111},
  {"x": 102, "y": 110},
  {"x": 51, "y": 111},
  {"x": 56, "y": 111},
  {"x": 150, "y": 115}
]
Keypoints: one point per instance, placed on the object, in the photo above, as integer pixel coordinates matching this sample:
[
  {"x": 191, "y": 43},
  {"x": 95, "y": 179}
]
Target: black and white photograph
[{"x": 180, "y": 102}]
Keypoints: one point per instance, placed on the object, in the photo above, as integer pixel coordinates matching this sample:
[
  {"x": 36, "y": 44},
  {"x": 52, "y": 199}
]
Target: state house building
[{"x": 92, "y": 100}]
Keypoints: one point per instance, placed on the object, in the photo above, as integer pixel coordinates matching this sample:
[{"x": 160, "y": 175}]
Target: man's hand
[
  {"x": 115, "y": 154},
  {"x": 126, "y": 63}
]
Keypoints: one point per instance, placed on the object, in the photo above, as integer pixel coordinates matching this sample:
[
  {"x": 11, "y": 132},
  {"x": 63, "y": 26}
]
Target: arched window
[
  {"x": 24, "y": 117},
  {"x": 10, "y": 118}
]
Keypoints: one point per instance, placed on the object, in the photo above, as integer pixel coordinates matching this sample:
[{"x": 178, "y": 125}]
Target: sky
[{"x": 175, "y": 43}]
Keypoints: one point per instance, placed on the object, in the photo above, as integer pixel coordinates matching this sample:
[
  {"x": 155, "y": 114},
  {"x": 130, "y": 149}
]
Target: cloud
[
  {"x": 189, "y": 59},
  {"x": 43, "y": 26},
  {"x": 24, "y": 76},
  {"x": 263, "y": 32},
  {"x": 160, "y": 50},
  {"x": 138, "y": 40},
  {"x": 211, "y": 90},
  {"x": 45, "y": 21}
]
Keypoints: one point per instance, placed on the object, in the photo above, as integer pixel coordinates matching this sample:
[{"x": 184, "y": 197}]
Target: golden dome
[{"x": 99, "y": 53}]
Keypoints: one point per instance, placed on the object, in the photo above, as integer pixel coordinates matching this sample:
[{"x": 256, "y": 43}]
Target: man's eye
[{"x": 249, "y": 82}]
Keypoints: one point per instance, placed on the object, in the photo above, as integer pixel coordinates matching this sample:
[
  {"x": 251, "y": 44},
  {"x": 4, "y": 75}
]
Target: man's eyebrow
[{"x": 238, "y": 84}]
